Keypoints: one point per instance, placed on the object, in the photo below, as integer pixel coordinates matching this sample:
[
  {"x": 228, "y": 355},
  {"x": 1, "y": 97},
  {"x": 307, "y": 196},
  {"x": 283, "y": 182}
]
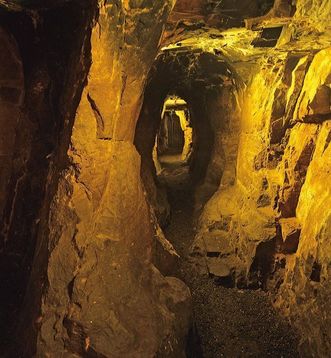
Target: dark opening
[
  {"x": 316, "y": 272},
  {"x": 170, "y": 139},
  {"x": 269, "y": 37},
  {"x": 173, "y": 144}
]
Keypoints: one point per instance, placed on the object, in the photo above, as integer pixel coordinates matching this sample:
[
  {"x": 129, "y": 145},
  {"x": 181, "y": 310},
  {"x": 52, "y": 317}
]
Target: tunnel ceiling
[
  {"x": 204, "y": 15},
  {"x": 186, "y": 70},
  {"x": 272, "y": 28},
  {"x": 226, "y": 13}
]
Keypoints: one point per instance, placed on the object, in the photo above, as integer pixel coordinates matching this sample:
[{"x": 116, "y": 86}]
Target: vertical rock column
[
  {"x": 103, "y": 295},
  {"x": 305, "y": 294}
]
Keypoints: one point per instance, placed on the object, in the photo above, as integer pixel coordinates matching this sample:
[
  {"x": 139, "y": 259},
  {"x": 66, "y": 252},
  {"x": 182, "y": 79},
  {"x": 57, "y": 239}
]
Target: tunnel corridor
[
  {"x": 165, "y": 181},
  {"x": 227, "y": 321}
]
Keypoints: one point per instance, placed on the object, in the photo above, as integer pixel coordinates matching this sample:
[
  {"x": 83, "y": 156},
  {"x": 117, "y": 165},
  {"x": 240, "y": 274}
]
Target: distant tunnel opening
[
  {"x": 174, "y": 136},
  {"x": 170, "y": 138},
  {"x": 189, "y": 108},
  {"x": 174, "y": 140}
]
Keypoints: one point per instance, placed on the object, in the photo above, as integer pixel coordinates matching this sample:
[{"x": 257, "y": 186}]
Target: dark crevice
[
  {"x": 262, "y": 265},
  {"x": 316, "y": 272},
  {"x": 98, "y": 117},
  {"x": 54, "y": 77}
]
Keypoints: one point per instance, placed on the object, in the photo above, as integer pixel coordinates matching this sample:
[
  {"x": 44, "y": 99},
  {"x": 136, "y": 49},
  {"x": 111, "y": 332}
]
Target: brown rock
[
  {"x": 291, "y": 231},
  {"x": 217, "y": 267},
  {"x": 217, "y": 242}
]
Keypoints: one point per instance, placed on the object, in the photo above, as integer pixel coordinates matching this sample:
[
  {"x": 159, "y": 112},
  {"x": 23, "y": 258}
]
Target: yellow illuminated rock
[
  {"x": 100, "y": 217},
  {"x": 115, "y": 113}
]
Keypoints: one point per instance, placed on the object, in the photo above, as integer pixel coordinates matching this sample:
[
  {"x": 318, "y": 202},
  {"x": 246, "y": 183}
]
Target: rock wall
[
  {"x": 75, "y": 213},
  {"x": 11, "y": 99},
  {"x": 104, "y": 297},
  {"x": 316, "y": 12},
  {"x": 305, "y": 294},
  {"x": 93, "y": 289},
  {"x": 270, "y": 227},
  {"x": 54, "y": 59},
  {"x": 223, "y": 115}
]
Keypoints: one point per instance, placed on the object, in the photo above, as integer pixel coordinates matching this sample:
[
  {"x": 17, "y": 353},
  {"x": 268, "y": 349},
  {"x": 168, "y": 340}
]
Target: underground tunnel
[{"x": 165, "y": 178}]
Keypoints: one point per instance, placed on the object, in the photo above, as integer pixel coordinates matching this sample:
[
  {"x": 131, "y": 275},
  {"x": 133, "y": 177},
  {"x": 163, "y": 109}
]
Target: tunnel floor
[{"x": 228, "y": 322}]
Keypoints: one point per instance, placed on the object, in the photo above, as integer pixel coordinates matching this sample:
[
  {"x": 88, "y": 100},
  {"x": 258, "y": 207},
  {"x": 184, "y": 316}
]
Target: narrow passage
[{"x": 228, "y": 322}]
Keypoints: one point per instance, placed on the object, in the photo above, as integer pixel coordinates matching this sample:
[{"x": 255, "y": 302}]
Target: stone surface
[
  {"x": 111, "y": 301},
  {"x": 55, "y": 61},
  {"x": 94, "y": 289},
  {"x": 275, "y": 198},
  {"x": 165, "y": 257},
  {"x": 76, "y": 192},
  {"x": 305, "y": 294},
  {"x": 304, "y": 276},
  {"x": 216, "y": 242},
  {"x": 291, "y": 231},
  {"x": 217, "y": 267}
]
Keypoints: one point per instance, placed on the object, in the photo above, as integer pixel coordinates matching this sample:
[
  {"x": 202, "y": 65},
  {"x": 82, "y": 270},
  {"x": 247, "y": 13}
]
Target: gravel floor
[
  {"x": 235, "y": 323},
  {"x": 228, "y": 322}
]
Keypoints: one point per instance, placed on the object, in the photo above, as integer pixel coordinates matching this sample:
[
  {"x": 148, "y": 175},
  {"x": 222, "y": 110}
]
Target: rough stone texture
[
  {"x": 287, "y": 178},
  {"x": 316, "y": 12},
  {"x": 224, "y": 118},
  {"x": 193, "y": 14},
  {"x": 110, "y": 286},
  {"x": 11, "y": 99},
  {"x": 305, "y": 295},
  {"x": 80, "y": 217},
  {"x": 291, "y": 230},
  {"x": 286, "y": 185},
  {"x": 165, "y": 257},
  {"x": 104, "y": 296},
  {"x": 54, "y": 54},
  {"x": 267, "y": 225}
]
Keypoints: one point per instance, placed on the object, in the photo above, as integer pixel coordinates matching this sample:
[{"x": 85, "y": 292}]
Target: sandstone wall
[
  {"x": 104, "y": 296},
  {"x": 271, "y": 226},
  {"x": 54, "y": 59},
  {"x": 317, "y": 12},
  {"x": 223, "y": 116},
  {"x": 305, "y": 294}
]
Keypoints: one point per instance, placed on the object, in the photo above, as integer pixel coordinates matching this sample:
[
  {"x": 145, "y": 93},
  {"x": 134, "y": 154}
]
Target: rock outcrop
[
  {"x": 109, "y": 299},
  {"x": 93, "y": 288},
  {"x": 269, "y": 122},
  {"x": 269, "y": 227},
  {"x": 82, "y": 84}
]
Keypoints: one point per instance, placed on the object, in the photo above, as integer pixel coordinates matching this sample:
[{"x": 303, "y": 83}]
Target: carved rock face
[{"x": 78, "y": 193}]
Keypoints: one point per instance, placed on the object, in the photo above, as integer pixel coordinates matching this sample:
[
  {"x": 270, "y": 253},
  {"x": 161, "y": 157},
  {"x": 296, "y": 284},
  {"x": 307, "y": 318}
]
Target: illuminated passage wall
[{"x": 85, "y": 267}]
